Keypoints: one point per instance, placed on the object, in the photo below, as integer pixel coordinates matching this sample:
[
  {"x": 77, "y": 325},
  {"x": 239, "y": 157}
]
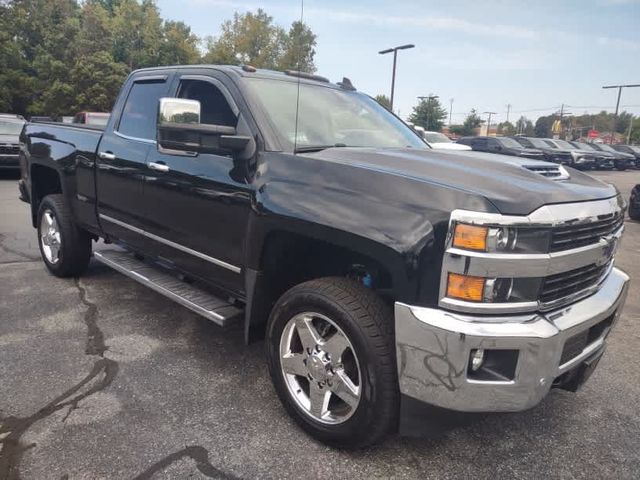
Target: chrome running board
[{"x": 200, "y": 301}]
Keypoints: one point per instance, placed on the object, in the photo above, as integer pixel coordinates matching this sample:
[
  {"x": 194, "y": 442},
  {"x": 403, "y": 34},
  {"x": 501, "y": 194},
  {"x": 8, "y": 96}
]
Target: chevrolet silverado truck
[{"x": 378, "y": 272}]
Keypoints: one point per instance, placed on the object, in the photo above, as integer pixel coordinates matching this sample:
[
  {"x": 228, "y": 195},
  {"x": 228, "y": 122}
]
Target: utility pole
[
  {"x": 489, "y": 121},
  {"x": 615, "y": 116},
  {"x": 508, "y": 110},
  {"x": 451, "y": 110},
  {"x": 393, "y": 74},
  {"x": 428, "y": 99},
  {"x": 629, "y": 131}
]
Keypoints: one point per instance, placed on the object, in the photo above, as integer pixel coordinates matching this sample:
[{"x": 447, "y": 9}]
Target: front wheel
[
  {"x": 65, "y": 248},
  {"x": 331, "y": 357}
]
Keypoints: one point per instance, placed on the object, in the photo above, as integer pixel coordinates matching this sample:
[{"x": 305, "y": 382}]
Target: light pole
[
  {"x": 428, "y": 99},
  {"x": 489, "y": 120},
  {"x": 615, "y": 117},
  {"x": 395, "y": 56},
  {"x": 450, "y": 110}
]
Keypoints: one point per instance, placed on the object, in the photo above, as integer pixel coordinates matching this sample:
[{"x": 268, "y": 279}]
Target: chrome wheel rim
[
  {"x": 320, "y": 368},
  {"x": 50, "y": 237}
]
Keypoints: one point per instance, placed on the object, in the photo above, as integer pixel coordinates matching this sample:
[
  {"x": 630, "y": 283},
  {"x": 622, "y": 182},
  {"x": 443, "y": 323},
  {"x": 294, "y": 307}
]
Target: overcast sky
[{"x": 485, "y": 54}]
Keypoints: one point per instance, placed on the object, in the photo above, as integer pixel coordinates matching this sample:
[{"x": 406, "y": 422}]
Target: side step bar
[{"x": 204, "y": 303}]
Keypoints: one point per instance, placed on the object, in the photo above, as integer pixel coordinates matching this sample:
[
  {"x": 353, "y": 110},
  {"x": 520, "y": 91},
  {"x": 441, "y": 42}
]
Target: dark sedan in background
[
  {"x": 551, "y": 154},
  {"x": 605, "y": 160},
  {"x": 10, "y": 128},
  {"x": 630, "y": 149},
  {"x": 502, "y": 145},
  {"x": 622, "y": 160},
  {"x": 580, "y": 159}
]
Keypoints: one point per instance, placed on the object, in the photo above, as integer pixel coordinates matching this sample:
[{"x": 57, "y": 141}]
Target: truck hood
[
  {"x": 7, "y": 138},
  {"x": 503, "y": 180}
]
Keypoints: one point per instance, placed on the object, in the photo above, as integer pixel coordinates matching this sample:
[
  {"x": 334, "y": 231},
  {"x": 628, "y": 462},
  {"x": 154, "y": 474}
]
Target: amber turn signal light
[
  {"x": 465, "y": 287},
  {"x": 470, "y": 237}
]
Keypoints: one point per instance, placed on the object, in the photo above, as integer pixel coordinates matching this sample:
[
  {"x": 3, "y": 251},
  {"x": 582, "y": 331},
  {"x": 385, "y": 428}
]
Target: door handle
[
  {"x": 106, "y": 156},
  {"x": 158, "y": 167}
]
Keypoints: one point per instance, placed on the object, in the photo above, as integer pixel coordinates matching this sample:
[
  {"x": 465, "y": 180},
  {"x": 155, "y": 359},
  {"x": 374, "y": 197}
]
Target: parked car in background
[
  {"x": 551, "y": 154},
  {"x": 622, "y": 160},
  {"x": 634, "y": 203},
  {"x": 605, "y": 160},
  {"x": 10, "y": 128},
  {"x": 502, "y": 145},
  {"x": 580, "y": 159},
  {"x": 98, "y": 119},
  {"x": 440, "y": 141},
  {"x": 631, "y": 149}
]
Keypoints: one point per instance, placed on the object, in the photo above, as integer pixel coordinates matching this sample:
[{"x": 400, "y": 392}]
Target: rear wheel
[
  {"x": 65, "y": 248},
  {"x": 332, "y": 360}
]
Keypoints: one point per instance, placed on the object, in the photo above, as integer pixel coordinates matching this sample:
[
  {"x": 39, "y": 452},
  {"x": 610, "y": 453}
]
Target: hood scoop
[{"x": 554, "y": 172}]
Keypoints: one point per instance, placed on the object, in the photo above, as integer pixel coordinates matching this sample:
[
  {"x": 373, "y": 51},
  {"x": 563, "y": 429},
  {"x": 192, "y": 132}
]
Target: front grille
[
  {"x": 581, "y": 234},
  {"x": 568, "y": 283},
  {"x": 9, "y": 149},
  {"x": 575, "y": 345}
]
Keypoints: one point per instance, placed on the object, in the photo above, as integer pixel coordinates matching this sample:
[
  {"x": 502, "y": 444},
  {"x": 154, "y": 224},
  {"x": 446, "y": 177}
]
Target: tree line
[
  {"x": 58, "y": 57},
  {"x": 431, "y": 115}
]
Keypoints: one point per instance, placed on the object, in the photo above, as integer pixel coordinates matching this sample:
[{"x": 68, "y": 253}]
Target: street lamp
[
  {"x": 395, "y": 55},
  {"x": 428, "y": 99},
  {"x": 619, "y": 87},
  {"x": 489, "y": 121}
]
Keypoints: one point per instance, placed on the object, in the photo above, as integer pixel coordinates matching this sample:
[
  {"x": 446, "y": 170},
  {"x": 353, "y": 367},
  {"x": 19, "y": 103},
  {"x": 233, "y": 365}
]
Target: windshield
[
  {"x": 435, "y": 137},
  {"x": 538, "y": 142},
  {"x": 608, "y": 148},
  {"x": 329, "y": 117},
  {"x": 584, "y": 146},
  {"x": 98, "y": 119},
  {"x": 508, "y": 142},
  {"x": 10, "y": 128},
  {"x": 635, "y": 149},
  {"x": 564, "y": 144}
]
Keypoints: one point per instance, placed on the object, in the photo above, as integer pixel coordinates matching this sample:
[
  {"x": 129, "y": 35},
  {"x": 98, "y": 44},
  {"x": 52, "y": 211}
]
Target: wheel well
[
  {"x": 44, "y": 181},
  {"x": 289, "y": 259}
]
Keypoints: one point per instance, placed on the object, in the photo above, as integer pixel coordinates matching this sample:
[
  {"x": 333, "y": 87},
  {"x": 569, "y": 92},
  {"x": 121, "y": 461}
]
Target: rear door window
[{"x": 140, "y": 111}]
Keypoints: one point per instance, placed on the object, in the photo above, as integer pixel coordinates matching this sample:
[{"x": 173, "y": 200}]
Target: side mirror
[{"x": 180, "y": 131}]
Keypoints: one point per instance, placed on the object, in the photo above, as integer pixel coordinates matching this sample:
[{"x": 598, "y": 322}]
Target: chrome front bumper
[{"x": 434, "y": 346}]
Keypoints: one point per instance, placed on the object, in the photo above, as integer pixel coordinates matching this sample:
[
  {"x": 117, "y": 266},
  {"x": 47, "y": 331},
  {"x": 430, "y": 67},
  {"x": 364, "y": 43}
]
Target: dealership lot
[{"x": 102, "y": 378}]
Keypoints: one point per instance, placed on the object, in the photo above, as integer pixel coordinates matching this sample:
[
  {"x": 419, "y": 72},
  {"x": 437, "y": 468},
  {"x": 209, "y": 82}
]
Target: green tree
[
  {"x": 384, "y": 101},
  {"x": 137, "y": 33},
  {"x": 179, "y": 45},
  {"x": 506, "y": 128},
  {"x": 471, "y": 122},
  {"x": 524, "y": 126},
  {"x": 299, "y": 49},
  {"x": 96, "y": 80},
  {"x": 429, "y": 114},
  {"x": 543, "y": 126},
  {"x": 253, "y": 38}
]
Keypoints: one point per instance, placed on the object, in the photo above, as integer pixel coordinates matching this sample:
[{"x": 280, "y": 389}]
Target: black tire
[
  {"x": 634, "y": 203},
  {"x": 75, "y": 248},
  {"x": 368, "y": 324}
]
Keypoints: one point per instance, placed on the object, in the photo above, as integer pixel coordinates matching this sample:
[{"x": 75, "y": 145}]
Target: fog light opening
[{"x": 477, "y": 359}]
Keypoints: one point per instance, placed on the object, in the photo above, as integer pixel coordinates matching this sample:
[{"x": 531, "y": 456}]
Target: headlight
[
  {"x": 492, "y": 290},
  {"x": 498, "y": 239}
]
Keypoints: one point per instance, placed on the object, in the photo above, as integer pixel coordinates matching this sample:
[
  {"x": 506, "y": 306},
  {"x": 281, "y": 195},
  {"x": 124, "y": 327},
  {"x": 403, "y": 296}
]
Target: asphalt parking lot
[{"x": 102, "y": 378}]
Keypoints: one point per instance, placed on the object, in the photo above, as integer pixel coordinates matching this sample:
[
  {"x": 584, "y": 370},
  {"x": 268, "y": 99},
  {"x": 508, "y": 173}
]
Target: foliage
[
  {"x": 61, "y": 56},
  {"x": 429, "y": 114},
  {"x": 506, "y": 128},
  {"x": 253, "y": 39},
  {"x": 525, "y": 127},
  {"x": 384, "y": 101},
  {"x": 471, "y": 122}
]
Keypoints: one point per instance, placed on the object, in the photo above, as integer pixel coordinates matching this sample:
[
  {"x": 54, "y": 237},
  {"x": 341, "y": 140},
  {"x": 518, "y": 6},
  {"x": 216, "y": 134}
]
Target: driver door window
[{"x": 214, "y": 108}]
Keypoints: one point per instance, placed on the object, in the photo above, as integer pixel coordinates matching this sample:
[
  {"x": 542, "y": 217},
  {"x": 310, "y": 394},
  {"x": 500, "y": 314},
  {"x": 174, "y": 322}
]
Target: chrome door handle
[
  {"x": 106, "y": 156},
  {"x": 158, "y": 167}
]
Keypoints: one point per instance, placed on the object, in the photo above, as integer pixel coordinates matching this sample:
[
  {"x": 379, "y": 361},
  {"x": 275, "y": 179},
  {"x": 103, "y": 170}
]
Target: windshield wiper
[{"x": 316, "y": 148}]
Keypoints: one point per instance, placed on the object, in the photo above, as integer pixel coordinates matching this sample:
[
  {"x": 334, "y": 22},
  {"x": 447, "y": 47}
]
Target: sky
[{"x": 534, "y": 55}]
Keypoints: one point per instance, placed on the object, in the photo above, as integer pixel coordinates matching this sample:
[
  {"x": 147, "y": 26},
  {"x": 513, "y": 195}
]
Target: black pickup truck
[{"x": 380, "y": 273}]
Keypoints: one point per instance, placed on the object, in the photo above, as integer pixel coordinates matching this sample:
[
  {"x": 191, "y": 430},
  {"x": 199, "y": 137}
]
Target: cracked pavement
[{"x": 103, "y": 378}]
